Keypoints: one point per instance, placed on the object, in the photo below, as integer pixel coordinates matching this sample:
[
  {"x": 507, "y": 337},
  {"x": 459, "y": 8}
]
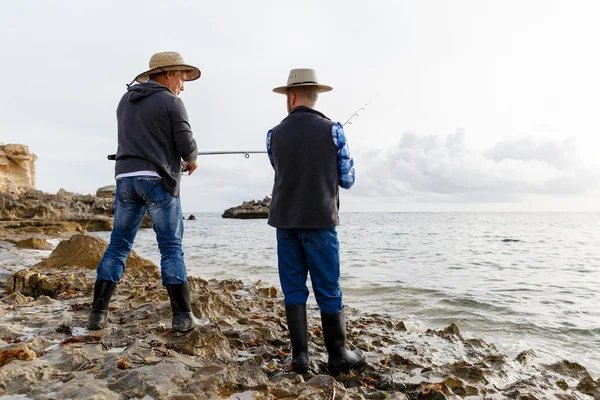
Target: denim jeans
[
  {"x": 135, "y": 196},
  {"x": 300, "y": 251}
]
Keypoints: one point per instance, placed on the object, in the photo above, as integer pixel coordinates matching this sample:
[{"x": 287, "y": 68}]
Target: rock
[
  {"x": 524, "y": 356},
  {"x": 588, "y": 386},
  {"x": 92, "y": 213},
  {"x": 28, "y": 227},
  {"x": 192, "y": 217},
  {"x": 570, "y": 369},
  {"x": 206, "y": 342},
  {"x": 107, "y": 192},
  {"x": 249, "y": 210},
  {"x": 17, "y": 168},
  {"x": 451, "y": 332},
  {"x": 34, "y": 284},
  {"x": 86, "y": 252},
  {"x": 17, "y": 298},
  {"x": 34, "y": 243}
]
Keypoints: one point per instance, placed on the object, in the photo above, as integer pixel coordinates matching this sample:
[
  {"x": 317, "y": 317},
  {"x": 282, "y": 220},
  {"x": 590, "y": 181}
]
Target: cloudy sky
[{"x": 472, "y": 105}]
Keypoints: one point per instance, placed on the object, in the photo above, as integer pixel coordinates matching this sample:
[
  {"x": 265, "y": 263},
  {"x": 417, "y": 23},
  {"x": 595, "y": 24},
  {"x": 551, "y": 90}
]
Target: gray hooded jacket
[{"x": 154, "y": 134}]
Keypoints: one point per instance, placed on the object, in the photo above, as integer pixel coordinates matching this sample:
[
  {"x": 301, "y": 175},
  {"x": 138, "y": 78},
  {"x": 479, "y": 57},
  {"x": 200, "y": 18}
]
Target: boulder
[
  {"x": 192, "y": 217},
  {"x": 86, "y": 252}
]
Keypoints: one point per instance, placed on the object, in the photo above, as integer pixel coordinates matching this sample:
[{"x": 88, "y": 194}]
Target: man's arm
[
  {"x": 185, "y": 144},
  {"x": 345, "y": 163},
  {"x": 269, "y": 148}
]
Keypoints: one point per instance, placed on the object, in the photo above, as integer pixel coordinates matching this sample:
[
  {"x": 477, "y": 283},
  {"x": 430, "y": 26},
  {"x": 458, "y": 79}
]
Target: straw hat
[
  {"x": 302, "y": 77},
  {"x": 168, "y": 61}
]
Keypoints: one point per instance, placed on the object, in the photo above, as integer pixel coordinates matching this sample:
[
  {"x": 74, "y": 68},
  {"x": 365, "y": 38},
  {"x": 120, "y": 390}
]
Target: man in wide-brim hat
[
  {"x": 311, "y": 159},
  {"x": 154, "y": 142}
]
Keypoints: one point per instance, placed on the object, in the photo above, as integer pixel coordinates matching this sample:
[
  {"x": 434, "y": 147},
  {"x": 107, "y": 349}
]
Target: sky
[{"x": 468, "y": 105}]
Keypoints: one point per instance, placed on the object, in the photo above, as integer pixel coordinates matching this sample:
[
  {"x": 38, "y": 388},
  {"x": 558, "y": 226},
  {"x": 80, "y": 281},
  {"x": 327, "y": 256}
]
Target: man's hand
[{"x": 190, "y": 167}]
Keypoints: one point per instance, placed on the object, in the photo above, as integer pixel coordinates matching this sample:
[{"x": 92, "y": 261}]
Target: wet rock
[
  {"x": 211, "y": 378},
  {"x": 525, "y": 356},
  {"x": 562, "y": 384},
  {"x": 192, "y": 217},
  {"x": 588, "y": 386},
  {"x": 135, "y": 384},
  {"x": 570, "y": 369},
  {"x": 286, "y": 385},
  {"x": 20, "y": 377},
  {"x": 433, "y": 395},
  {"x": 31, "y": 283},
  {"x": 86, "y": 252},
  {"x": 88, "y": 391},
  {"x": 464, "y": 370},
  {"x": 34, "y": 243},
  {"x": 390, "y": 381},
  {"x": 251, "y": 376},
  {"x": 17, "y": 298},
  {"x": 451, "y": 332},
  {"x": 206, "y": 342}
]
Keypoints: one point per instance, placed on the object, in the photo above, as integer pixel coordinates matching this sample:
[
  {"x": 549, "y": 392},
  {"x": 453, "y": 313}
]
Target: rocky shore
[
  {"x": 25, "y": 211},
  {"x": 243, "y": 351},
  {"x": 249, "y": 210}
]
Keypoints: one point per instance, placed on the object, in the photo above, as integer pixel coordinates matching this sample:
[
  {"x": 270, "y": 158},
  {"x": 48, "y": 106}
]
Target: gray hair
[{"x": 310, "y": 93}]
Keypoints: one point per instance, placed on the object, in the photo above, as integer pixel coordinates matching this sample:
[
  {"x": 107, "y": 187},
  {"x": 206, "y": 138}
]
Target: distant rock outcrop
[
  {"x": 250, "y": 210},
  {"x": 17, "y": 169}
]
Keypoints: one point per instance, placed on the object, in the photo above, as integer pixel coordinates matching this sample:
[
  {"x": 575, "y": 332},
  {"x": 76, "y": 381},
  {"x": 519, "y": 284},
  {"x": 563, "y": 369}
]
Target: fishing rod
[
  {"x": 246, "y": 154},
  {"x": 348, "y": 121}
]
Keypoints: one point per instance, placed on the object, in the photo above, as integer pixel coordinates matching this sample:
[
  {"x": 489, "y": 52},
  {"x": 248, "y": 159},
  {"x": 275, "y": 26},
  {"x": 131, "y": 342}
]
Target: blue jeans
[
  {"x": 300, "y": 251},
  {"x": 135, "y": 196}
]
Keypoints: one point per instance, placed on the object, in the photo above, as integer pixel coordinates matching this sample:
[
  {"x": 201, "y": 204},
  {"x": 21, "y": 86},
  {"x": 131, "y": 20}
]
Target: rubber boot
[
  {"x": 298, "y": 328},
  {"x": 103, "y": 291},
  {"x": 334, "y": 333},
  {"x": 183, "y": 317}
]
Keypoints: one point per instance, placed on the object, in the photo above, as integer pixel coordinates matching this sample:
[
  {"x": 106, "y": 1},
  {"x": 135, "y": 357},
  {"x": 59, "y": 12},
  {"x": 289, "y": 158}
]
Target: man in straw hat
[
  {"x": 311, "y": 159},
  {"x": 154, "y": 136}
]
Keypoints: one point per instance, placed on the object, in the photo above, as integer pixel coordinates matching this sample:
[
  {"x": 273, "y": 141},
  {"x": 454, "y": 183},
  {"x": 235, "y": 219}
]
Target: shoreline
[{"x": 248, "y": 346}]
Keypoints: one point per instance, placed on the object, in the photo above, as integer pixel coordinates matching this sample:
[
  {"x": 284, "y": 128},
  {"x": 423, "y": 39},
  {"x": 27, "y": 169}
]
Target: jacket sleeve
[
  {"x": 346, "y": 173},
  {"x": 185, "y": 144}
]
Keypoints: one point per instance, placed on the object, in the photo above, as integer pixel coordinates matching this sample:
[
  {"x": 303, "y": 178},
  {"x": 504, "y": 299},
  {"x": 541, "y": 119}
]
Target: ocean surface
[{"x": 520, "y": 281}]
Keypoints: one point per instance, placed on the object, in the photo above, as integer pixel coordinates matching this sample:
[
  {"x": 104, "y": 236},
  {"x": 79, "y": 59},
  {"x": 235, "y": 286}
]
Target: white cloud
[{"x": 443, "y": 169}]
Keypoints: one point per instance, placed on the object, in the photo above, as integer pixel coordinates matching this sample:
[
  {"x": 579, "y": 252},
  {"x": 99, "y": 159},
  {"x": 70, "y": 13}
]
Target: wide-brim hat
[
  {"x": 168, "y": 61},
  {"x": 302, "y": 77}
]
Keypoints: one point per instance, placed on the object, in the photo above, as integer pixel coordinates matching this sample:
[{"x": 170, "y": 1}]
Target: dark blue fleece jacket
[{"x": 154, "y": 134}]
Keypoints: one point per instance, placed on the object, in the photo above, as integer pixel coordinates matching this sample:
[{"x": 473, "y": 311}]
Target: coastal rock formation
[
  {"x": 35, "y": 211},
  {"x": 79, "y": 252},
  {"x": 17, "y": 169},
  {"x": 23, "y": 209},
  {"x": 250, "y": 210},
  {"x": 243, "y": 350}
]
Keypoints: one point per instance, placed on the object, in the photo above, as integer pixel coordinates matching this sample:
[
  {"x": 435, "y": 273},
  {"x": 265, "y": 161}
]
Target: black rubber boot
[
  {"x": 298, "y": 328},
  {"x": 183, "y": 317},
  {"x": 334, "y": 333},
  {"x": 103, "y": 291}
]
